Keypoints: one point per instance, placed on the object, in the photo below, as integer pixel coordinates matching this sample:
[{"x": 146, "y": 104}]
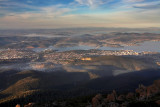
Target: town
[{"x": 53, "y": 58}]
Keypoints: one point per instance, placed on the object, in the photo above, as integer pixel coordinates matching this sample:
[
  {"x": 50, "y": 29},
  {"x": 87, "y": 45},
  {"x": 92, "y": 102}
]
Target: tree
[
  {"x": 18, "y": 105},
  {"x": 96, "y": 100}
]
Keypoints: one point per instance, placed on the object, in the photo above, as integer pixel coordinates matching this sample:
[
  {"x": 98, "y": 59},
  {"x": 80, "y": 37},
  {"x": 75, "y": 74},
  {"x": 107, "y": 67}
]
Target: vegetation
[
  {"x": 143, "y": 97},
  {"x": 60, "y": 88}
]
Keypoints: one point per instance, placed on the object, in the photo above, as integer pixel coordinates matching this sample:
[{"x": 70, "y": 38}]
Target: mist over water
[
  {"x": 151, "y": 46},
  {"x": 148, "y": 46}
]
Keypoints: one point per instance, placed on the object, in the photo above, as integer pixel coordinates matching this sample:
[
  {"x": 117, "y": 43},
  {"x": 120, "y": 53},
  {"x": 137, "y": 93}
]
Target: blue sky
[{"x": 15, "y": 14}]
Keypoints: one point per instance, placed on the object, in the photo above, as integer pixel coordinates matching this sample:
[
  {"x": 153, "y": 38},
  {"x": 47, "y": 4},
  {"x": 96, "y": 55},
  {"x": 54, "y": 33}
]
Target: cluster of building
[
  {"x": 16, "y": 54},
  {"x": 116, "y": 53},
  {"x": 62, "y": 57},
  {"x": 65, "y": 57}
]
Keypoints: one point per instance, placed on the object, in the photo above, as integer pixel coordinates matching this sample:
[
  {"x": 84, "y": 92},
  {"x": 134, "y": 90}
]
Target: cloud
[
  {"x": 92, "y": 3},
  {"x": 133, "y": 0},
  {"x": 149, "y": 5},
  {"x": 114, "y": 19},
  {"x": 127, "y": 13},
  {"x": 11, "y": 6},
  {"x": 54, "y": 11},
  {"x": 43, "y": 12},
  {"x": 31, "y": 11}
]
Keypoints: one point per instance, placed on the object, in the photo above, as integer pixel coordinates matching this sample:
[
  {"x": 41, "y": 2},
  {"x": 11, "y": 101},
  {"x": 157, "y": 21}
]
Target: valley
[{"x": 71, "y": 66}]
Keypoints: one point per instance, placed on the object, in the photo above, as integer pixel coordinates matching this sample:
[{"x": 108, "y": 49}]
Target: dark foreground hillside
[
  {"x": 142, "y": 97},
  {"x": 63, "y": 88}
]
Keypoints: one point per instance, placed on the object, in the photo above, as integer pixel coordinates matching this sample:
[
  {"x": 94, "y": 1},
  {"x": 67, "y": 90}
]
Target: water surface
[{"x": 147, "y": 46}]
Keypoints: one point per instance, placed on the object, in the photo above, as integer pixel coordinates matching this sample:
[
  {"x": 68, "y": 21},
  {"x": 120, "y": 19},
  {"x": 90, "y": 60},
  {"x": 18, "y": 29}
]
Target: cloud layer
[{"x": 79, "y": 13}]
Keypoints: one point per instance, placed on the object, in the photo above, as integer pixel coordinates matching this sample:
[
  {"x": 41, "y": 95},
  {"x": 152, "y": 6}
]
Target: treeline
[
  {"x": 142, "y": 97},
  {"x": 48, "y": 98}
]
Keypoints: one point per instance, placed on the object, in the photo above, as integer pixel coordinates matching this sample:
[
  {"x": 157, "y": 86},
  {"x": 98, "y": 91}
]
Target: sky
[{"x": 47, "y": 14}]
